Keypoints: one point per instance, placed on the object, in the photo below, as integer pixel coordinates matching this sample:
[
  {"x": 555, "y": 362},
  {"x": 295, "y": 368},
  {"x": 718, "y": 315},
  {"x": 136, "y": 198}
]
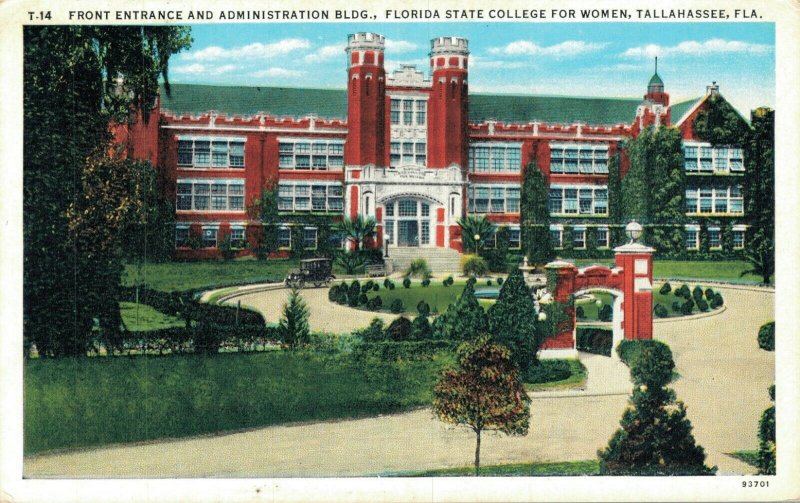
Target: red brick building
[{"x": 415, "y": 151}]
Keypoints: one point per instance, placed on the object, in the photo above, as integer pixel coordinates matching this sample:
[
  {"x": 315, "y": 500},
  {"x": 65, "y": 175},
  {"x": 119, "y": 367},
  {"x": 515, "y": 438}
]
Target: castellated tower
[
  {"x": 447, "y": 105},
  {"x": 366, "y": 101}
]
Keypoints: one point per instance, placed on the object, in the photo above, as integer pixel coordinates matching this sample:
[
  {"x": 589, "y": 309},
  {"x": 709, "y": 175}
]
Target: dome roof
[{"x": 655, "y": 80}]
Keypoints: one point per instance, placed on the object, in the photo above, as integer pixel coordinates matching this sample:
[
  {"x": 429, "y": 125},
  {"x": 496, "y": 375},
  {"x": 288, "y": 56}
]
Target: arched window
[{"x": 452, "y": 90}]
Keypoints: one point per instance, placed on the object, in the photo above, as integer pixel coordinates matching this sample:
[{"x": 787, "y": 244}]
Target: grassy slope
[
  {"x": 71, "y": 403},
  {"x": 588, "y": 467},
  {"x": 141, "y": 317}
]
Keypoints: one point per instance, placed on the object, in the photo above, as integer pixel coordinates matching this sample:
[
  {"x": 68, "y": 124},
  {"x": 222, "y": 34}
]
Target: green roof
[
  {"x": 655, "y": 80},
  {"x": 332, "y": 104},
  {"x": 678, "y": 109}
]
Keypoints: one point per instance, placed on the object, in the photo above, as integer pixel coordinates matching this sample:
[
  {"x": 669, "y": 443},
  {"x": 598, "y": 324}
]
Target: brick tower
[
  {"x": 447, "y": 105},
  {"x": 366, "y": 101}
]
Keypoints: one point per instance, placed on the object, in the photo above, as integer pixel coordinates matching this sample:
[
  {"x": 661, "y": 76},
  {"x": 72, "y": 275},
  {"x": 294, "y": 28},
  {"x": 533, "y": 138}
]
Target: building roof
[
  {"x": 656, "y": 80},
  {"x": 332, "y": 104}
]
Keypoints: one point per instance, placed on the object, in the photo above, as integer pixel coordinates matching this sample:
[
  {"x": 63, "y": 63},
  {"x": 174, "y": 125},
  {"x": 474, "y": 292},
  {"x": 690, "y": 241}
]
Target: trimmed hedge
[
  {"x": 203, "y": 338},
  {"x": 547, "y": 371},
  {"x": 403, "y": 350},
  {"x": 594, "y": 340}
]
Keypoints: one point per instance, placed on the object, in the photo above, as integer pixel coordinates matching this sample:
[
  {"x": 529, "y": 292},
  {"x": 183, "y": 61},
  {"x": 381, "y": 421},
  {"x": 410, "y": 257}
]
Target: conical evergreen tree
[
  {"x": 463, "y": 320},
  {"x": 512, "y": 321}
]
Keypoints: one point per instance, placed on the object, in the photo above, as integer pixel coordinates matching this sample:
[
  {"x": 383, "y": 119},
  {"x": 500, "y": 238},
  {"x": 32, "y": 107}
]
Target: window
[
  {"x": 583, "y": 199},
  {"x": 714, "y": 238},
  {"x": 557, "y": 236},
  {"x": 407, "y": 111},
  {"x": 692, "y": 237},
  {"x": 493, "y": 199},
  {"x": 284, "y": 237},
  {"x": 702, "y": 158},
  {"x": 209, "y": 237},
  {"x": 421, "y": 112},
  {"x": 395, "y": 111},
  {"x": 738, "y": 236},
  {"x": 495, "y": 157},
  {"x": 181, "y": 235},
  {"x": 407, "y": 208},
  {"x": 514, "y": 237},
  {"x": 210, "y": 152},
  {"x": 309, "y": 237},
  {"x": 602, "y": 237},
  {"x": 425, "y": 232},
  {"x": 408, "y": 152},
  {"x": 210, "y": 195},
  {"x": 237, "y": 237},
  {"x": 307, "y": 197},
  {"x": 579, "y": 238},
  {"x": 718, "y": 199},
  {"x": 309, "y": 154},
  {"x": 585, "y": 158}
]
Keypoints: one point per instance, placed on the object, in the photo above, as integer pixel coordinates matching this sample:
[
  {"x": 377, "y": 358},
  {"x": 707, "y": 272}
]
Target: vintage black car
[{"x": 316, "y": 271}]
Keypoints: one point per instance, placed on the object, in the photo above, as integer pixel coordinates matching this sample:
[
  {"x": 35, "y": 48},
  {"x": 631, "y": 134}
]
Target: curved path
[{"x": 724, "y": 380}]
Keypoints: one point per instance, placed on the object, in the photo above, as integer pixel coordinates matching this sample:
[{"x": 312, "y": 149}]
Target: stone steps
[{"x": 438, "y": 259}]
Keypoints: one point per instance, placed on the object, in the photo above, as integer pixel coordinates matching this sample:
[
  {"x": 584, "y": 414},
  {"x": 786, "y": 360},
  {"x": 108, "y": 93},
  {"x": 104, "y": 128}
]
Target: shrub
[
  {"x": 676, "y": 306},
  {"x": 374, "y": 332},
  {"x": 702, "y": 305},
  {"x": 718, "y": 300},
  {"x": 426, "y": 282},
  {"x": 606, "y": 313},
  {"x": 405, "y": 350},
  {"x": 353, "y": 293},
  {"x": 391, "y": 285},
  {"x": 399, "y": 329},
  {"x": 547, "y": 371},
  {"x": 473, "y": 265},
  {"x": 499, "y": 281},
  {"x": 375, "y": 303},
  {"x": 419, "y": 269},
  {"x": 683, "y": 291},
  {"x": 594, "y": 340},
  {"x": 341, "y": 297},
  {"x": 293, "y": 329},
  {"x": 697, "y": 294},
  {"x": 660, "y": 311},
  {"x": 423, "y": 308},
  {"x": 421, "y": 328},
  {"x": 687, "y": 307},
  {"x": 397, "y": 306},
  {"x": 406, "y": 282},
  {"x": 579, "y": 313},
  {"x": 386, "y": 282},
  {"x": 488, "y": 282},
  {"x": 766, "y": 336},
  {"x": 665, "y": 288},
  {"x": 376, "y": 287},
  {"x": 366, "y": 287},
  {"x": 448, "y": 281},
  {"x": 709, "y": 294},
  {"x": 333, "y": 293},
  {"x": 363, "y": 299}
]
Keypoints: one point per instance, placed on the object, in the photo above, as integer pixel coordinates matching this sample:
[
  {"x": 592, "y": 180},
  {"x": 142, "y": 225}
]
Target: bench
[{"x": 376, "y": 270}]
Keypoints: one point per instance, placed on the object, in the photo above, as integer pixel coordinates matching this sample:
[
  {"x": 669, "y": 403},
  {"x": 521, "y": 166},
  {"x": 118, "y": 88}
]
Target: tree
[
  {"x": 357, "y": 229},
  {"x": 265, "y": 209},
  {"x": 513, "y": 321},
  {"x": 767, "y": 444},
  {"x": 72, "y": 91},
  {"x": 293, "y": 328},
  {"x": 759, "y": 194},
  {"x": 463, "y": 319},
  {"x": 421, "y": 328},
  {"x": 655, "y": 435},
  {"x": 615, "y": 204},
  {"x": 472, "y": 226},
  {"x": 483, "y": 393},
  {"x": 535, "y": 217}
]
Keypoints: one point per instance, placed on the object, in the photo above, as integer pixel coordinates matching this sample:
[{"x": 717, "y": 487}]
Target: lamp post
[
  {"x": 542, "y": 316},
  {"x": 634, "y": 231},
  {"x": 477, "y": 238},
  {"x": 386, "y": 244}
]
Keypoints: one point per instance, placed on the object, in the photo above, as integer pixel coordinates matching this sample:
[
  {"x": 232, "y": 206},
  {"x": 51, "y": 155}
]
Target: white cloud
[
  {"x": 325, "y": 53},
  {"x": 256, "y": 50},
  {"x": 695, "y": 48},
  {"x": 201, "y": 69},
  {"x": 563, "y": 49},
  {"x": 480, "y": 62},
  {"x": 400, "y": 45},
  {"x": 277, "y": 72}
]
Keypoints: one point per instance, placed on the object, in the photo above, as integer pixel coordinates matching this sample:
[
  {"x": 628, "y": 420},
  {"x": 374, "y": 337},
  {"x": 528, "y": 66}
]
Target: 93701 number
[{"x": 755, "y": 483}]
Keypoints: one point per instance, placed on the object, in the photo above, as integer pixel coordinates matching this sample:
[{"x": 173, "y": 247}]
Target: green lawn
[
  {"x": 591, "y": 309},
  {"x": 438, "y": 296},
  {"x": 749, "y": 457},
  {"x": 576, "y": 379},
  {"x": 172, "y": 276},
  {"x": 80, "y": 402},
  {"x": 547, "y": 469},
  {"x": 141, "y": 317},
  {"x": 722, "y": 270}
]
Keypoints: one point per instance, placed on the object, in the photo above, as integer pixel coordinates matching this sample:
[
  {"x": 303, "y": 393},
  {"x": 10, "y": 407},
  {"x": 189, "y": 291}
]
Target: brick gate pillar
[
  {"x": 636, "y": 261},
  {"x": 561, "y": 292}
]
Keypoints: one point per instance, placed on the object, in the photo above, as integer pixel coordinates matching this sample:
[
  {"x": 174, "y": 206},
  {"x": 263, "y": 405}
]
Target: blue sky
[{"x": 572, "y": 59}]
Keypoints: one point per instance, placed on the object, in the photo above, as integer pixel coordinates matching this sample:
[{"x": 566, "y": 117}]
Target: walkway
[{"x": 724, "y": 380}]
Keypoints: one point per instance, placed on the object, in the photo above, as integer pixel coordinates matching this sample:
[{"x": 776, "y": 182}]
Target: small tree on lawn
[
  {"x": 655, "y": 437},
  {"x": 293, "y": 328},
  {"x": 512, "y": 321},
  {"x": 465, "y": 318},
  {"x": 483, "y": 393}
]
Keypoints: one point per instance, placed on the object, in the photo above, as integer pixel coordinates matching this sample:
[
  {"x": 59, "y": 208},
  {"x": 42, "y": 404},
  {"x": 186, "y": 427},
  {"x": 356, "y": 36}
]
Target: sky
[{"x": 564, "y": 59}]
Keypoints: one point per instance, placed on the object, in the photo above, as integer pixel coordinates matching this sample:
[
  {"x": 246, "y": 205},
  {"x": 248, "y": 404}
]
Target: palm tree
[
  {"x": 357, "y": 229},
  {"x": 472, "y": 226}
]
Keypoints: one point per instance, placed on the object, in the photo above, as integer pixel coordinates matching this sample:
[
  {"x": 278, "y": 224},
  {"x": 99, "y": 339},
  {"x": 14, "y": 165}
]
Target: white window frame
[
  {"x": 560, "y": 230},
  {"x": 408, "y": 151},
  {"x": 578, "y": 230},
  {"x": 493, "y": 190},
  {"x": 581, "y": 153},
  {"x": 210, "y": 229},
  {"x": 408, "y": 110},
  {"x": 329, "y": 150},
  {"x": 580, "y": 191},
  {"x": 597, "y": 237},
  {"x": 231, "y": 150},
  {"x": 234, "y": 202},
  {"x": 182, "y": 227},
  {"x": 284, "y": 228},
  {"x": 306, "y": 229},
  {"x": 694, "y": 192},
  {"x": 242, "y": 243},
  {"x": 695, "y": 229},
  {"x": 739, "y": 229},
  {"x": 724, "y": 159},
  {"x": 288, "y": 196},
  {"x": 718, "y": 230},
  {"x": 501, "y": 157}
]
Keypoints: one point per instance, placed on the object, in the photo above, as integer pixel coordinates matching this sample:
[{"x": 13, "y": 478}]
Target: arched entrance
[
  {"x": 408, "y": 220},
  {"x": 617, "y": 331}
]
